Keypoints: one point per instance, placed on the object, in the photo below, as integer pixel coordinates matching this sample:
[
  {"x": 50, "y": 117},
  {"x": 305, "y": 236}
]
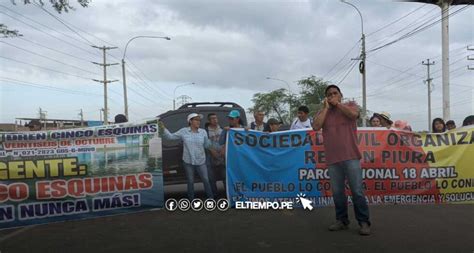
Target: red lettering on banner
[
  {"x": 146, "y": 181},
  {"x": 13, "y": 192}
]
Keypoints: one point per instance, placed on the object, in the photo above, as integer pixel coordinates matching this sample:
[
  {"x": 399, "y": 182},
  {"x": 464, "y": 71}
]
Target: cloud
[{"x": 231, "y": 46}]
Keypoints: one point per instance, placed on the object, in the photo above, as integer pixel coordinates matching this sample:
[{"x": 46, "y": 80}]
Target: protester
[
  {"x": 214, "y": 156},
  {"x": 303, "y": 121},
  {"x": 274, "y": 125},
  {"x": 375, "y": 121},
  {"x": 450, "y": 124},
  {"x": 120, "y": 118},
  {"x": 469, "y": 120},
  {"x": 194, "y": 140},
  {"x": 234, "y": 122},
  {"x": 34, "y": 125},
  {"x": 259, "y": 124},
  {"x": 402, "y": 125},
  {"x": 385, "y": 120},
  {"x": 339, "y": 124},
  {"x": 438, "y": 126}
]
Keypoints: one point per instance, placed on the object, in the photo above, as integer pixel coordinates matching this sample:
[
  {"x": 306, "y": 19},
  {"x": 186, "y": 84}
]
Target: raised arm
[
  {"x": 170, "y": 136},
  {"x": 351, "y": 112},
  {"x": 318, "y": 120}
]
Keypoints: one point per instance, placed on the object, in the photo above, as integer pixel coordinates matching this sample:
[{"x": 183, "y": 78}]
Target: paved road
[{"x": 421, "y": 228}]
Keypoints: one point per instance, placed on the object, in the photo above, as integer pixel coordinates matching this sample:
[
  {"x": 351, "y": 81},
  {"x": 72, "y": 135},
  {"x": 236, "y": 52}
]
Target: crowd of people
[
  {"x": 438, "y": 125},
  {"x": 204, "y": 149}
]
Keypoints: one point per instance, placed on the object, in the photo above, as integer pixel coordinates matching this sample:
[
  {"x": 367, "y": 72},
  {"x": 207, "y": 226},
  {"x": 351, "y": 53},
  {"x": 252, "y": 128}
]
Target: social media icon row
[{"x": 196, "y": 205}]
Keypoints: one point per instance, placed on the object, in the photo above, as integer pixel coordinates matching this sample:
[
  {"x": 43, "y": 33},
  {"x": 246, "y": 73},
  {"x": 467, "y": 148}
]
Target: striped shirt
[{"x": 193, "y": 144}]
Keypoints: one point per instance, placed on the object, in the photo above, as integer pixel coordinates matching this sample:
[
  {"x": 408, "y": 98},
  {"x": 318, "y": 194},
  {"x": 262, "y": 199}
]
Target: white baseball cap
[{"x": 193, "y": 115}]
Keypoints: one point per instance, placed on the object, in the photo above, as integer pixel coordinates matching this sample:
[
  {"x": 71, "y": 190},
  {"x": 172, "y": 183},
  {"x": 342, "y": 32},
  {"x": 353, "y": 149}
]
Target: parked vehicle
[{"x": 173, "y": 171}]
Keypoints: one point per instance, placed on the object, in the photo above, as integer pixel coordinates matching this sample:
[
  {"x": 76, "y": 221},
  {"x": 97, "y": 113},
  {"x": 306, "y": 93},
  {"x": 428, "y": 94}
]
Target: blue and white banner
[
  {"x": 265, "y": 166},
  {"x": 398, "y": 167}
]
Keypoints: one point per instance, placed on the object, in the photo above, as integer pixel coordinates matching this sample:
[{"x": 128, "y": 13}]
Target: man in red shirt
[{"x": 338, "y": 122}]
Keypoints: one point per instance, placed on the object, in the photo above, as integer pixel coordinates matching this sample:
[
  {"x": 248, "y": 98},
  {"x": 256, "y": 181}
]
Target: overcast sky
[{"x": 228, "y": 48}]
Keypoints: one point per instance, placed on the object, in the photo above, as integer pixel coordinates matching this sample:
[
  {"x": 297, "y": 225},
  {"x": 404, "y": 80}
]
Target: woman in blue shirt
[{"x": 195, "y": 140}]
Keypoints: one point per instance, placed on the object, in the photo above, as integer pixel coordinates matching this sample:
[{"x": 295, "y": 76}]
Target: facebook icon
[{"x": 171, "y": 205}]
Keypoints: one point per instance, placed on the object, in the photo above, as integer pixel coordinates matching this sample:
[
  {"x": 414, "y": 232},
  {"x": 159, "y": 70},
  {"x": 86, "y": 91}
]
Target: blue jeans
[
  {"x": 202, "y": 171},
  {"x": 210, "y": 173},
  {"x": 338, "y": 173}
]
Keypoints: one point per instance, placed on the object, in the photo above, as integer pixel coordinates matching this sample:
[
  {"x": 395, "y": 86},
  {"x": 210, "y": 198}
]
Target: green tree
[
  {"x": 5, "y": 32},
  {"x": 312, "y": 93},
  {"x": 58, "y": 5},
  {"x": 274, "y": 104}
]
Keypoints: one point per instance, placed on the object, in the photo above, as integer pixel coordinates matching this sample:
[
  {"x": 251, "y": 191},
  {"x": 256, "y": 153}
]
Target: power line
[
  {"x": 145, "y": 83},
  {"x": 417, "y": 21},
  {"x": 83, "y": 31},
  {"x": 60, "y": 21},
  {"x": 459, "y": 103},
  {"x": 55, "y": 50},
  {"x": 340, "y": 60},
  {"x": 397, "y": 20},
  {"x": 337, "y": 75},
  {"x": 51, "y": 35},
  {"x": 138, "y": 78},
  {"x": 417, "y": 30},
  {"x": 46, "y": 87},
  {"x": 158, "y": 89},
  {"x": 347, "y": 73},
  {"x": 89, "y": 42},
  {"x": 460, "y": 92},
  {"x": 389, "y": 80},
  {"x": 49, "y": 58},
  {"x": 412, "y": 80},
  {"x": 40, "y": 67},
  {"x": 135, "y": 75},
  {"x": 400, "y": 71}
]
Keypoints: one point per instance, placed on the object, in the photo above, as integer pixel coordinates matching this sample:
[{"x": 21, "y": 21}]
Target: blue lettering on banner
[
  {"x": 266, "y": 165},
  {"x": 7, "y": 213},
  {"x": 38, "y": 210},
  {"x": 116, "y": 201}
]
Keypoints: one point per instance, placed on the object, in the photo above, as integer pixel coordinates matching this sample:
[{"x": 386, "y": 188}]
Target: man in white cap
[{"x": 195, "y": 140}]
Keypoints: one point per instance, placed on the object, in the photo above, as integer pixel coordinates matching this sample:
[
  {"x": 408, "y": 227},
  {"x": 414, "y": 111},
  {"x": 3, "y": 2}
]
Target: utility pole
[
  {"x": 100, "y": 111},
  {"x": 444, "y": 4},
  {"x": 105, "y": 81},
  {"x": 362, "y": 69},
  {"x": 364, "y": 80},
  {"x": 81, "y": 114},
  {"x": 428, "y": 82},
  {"x": 125, "y": 100}
]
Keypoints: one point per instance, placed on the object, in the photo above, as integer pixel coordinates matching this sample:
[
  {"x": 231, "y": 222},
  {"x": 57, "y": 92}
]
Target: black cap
[{"x": 120, "y": 118}]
